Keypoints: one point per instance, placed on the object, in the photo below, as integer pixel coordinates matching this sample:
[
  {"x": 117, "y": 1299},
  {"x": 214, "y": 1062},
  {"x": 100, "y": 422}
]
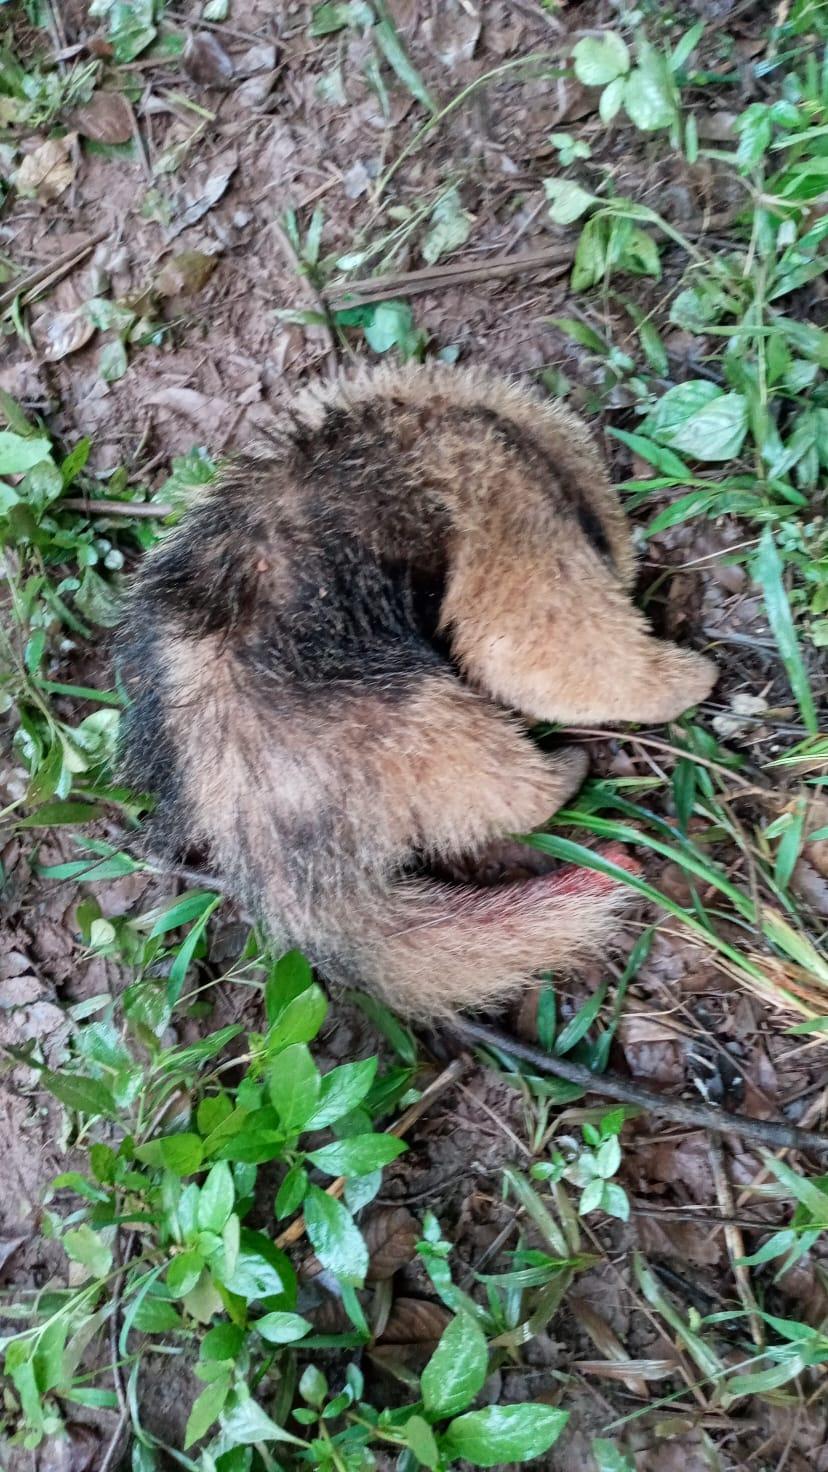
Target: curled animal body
[{"x": 332, "y": 658}]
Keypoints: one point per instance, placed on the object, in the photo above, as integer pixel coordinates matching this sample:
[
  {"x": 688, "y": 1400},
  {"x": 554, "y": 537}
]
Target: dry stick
[
  {"x": 734, "y": 1240},
  {"x": 114, "y": 508},
  {"x": 431, "y": 278},
  {"x": 764, "y": 1131},
  {"x": 445, "y": 1080},
  {"x": 47, "y": 275}
]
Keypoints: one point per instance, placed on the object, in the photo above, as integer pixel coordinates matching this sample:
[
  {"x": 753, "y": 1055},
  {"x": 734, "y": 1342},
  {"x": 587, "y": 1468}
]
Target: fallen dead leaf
[
  {"x": 415, "y": 1321},
  {"x": 49, "y": 170},
  {"x": 107, "y": 118},
  {"x": 451, "y": 35},
  {"x": 65, "y": 332},
  {"x": 809, "y": 884},
  {"x": 206, "y": 61},
  {"x": 9, "y": 1243},
  {"x": 391, "y": 1235},
  {"x": 201, "y": 192},
  {"x": 185, "y": 273},
  {"x": 77, "y": 1449}
]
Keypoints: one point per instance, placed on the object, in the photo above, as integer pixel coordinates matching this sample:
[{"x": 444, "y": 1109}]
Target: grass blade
[{"x": 768, "y": 572}]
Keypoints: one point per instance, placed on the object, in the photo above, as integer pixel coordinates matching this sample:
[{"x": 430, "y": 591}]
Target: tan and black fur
[{"x": 320, "y": 655}]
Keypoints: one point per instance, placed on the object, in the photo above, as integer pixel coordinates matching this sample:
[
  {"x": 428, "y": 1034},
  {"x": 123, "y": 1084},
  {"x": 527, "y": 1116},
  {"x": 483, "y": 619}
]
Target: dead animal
[{"x": 332, "y": 658}]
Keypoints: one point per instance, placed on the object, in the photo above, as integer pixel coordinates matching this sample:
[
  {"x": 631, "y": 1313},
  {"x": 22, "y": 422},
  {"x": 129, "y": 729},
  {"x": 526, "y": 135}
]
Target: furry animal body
[{"x": 331, "y": 658}]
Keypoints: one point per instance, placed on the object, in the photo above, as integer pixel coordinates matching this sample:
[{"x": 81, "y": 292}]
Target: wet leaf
[
  {"x": 107, "y": 118},
  {"x": 457, "y": 1368},
  {"x": 65, "y": 333},
  {"x": 335, "y": 1237},
  {"x": 357, "y": 1154},
  {"x": 341, "y": 1090},
  {"x": 49, "y": 170},
  {"x": 280, "y": 1328},
  {"x": 498, "y": 1435}
]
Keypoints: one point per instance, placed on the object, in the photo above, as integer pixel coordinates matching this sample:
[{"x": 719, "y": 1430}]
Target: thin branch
[
  {"x": 774, "y": 1135},
  {"x": 142, "y": 509}
]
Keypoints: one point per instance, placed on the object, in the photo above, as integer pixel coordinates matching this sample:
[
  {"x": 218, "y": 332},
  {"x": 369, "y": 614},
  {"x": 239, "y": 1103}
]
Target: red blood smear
[{"x": 572, "y": 880}]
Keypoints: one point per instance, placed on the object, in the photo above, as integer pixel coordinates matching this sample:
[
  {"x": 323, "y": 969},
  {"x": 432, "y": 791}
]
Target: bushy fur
[{"x": 318, "y": 657}]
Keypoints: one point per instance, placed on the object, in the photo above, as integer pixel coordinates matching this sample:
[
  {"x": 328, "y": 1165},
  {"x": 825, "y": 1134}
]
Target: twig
[
  {"x": 114, "y": 1352},
  {"x": 701, "y": 1116},
  {"x": 145, "y": 509},
  {"x": 734, "y": 1240},
  {"x": 430, "y": 278},
  {"x": 33, "y": 282},
  {"x": 311, "y": 292},
  {"x": 657, "y": 745},
  {"x": 444, "y": 1081}
]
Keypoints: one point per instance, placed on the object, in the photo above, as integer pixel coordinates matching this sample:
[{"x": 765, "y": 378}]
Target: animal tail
[{"x": 430, "y": 948}]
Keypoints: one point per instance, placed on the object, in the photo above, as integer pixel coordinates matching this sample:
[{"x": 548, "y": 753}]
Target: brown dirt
[{"x": 214, "y": 381}]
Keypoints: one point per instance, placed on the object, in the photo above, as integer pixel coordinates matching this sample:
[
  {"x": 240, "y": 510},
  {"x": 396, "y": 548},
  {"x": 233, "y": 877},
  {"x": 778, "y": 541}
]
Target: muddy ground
[{"x": 271, "y": 139}]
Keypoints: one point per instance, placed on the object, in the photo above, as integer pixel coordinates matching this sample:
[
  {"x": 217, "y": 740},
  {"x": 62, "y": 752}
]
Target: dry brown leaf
[
  {"x": 609, "y": 1344},
  {"x": 809, "y": 884},
  {"x": 200, "y": 193},
  {"x": 206, "y": 61},
  {"x": 65, "y": 332},
  {"x": 185, "y": 273},
  {"x": 415, "y": 1321},
  {"x": 451, "y": 35},
  {"x": 77, "y": 1449},
  {"x": 49, "y": 170},
  {"x": 107, "y": 118},
  {"x": 391, "y": 1234},
  {"x": 9, "y": 1243}
]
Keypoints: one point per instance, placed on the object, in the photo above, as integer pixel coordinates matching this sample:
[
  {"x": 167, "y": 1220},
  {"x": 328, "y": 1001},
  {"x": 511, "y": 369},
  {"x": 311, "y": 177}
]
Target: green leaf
[
  {"x": 567, "y": 200},
  {"x": 112, "y": 362},
  {"x": 51, "y": 814},
  {"x": 341, "y": 1090},
  {"x": 216, "y": 1198},
  {"x": 335, "y": 1237},
  {"x": 609, "y": 1457},
  {"x": 247, "y": 1424},
  {"x": 498, "y": 1435},
  {"x": 293, "y": 1083},
  {"x": 156, "y": 1315},
  {"x": 421, "y": 1440},
  {"x": 450, "y": 227},
  {"x": 291, "y": 1193},
  {"x": 392, "y": 325},
  {"x": 18, "y": 453},
  {"x": 86, "y": 1247},
  {"x": 649, "y": 91},
  {"x": 400, "y": 1037},
  {"x": 356, "y": 1155},
  {"x": 279, "y": 1328},
  {"x": 182, "y": 911},
  {"x": 457, "y": 1368},
  {"x": 86, "y": 1095},
  {"x": 261, "y": 1269},
  {"x": 662, "y": 458},
  {"x": 186, "y": 951},
  {"x": 336, "y": 14},
  {"x": 755, "y": 129},
  {"x": 609, "y": 103},
  {"x": 291, "y": 976},
  {"x": 398, "y": 59},
  {"x": 698, "y": 418},
  {"x": 181, "y": 1153},
  {"x": 298, "y": 1022},
  {"x": 206, "y": 1409},
  {"x": 183, "y": 1273},
  {"x": 601, "y": 59},
  {"x": 768, "y": 572}
]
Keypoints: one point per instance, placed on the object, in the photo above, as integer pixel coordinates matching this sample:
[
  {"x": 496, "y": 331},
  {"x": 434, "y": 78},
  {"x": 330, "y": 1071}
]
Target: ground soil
[{"x": 275, "y": 143}]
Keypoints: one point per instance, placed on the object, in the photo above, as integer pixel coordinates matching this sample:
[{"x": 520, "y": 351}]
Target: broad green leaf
[
  {"x": 567, "y": 200},
  {"x": 609, "y": 103},
  {"x": 335, "y": 1237},
  {"x": 282, "y": 1328},
  {"x": 291, "y": 976},
  {"x": 216, "y": 1198},
  {"x": 457, "y": 1368},
  {"x": 183, "y": 1273},
  {"x": 769, "y": 574},
  {"x": 421, "y": 1440},
  {"x": 498, "y": 1435},
  {"x": 18, "y": 453},
  {"x": 86, "y": 1095},
  {"x": 657, "y": 455},
  {"x": 298, "y": 1022},
  {"x": 356, "y": 1155},
  {"x": 112, "y": 362},
  {"x": 222, "y": 1342},
  {"x": 649, "y": 91},
  {"x": 293, "y": 1083},
  {"x": 181, "y": 1153},
  {"x": 341, "y": 1090},
  {"x": 600, "y": 59},
  {"x": 246, "y": 1424},
  {"x": 85, "y": 1246},
  {"x": 698, "y": 418},
  {"x": 291, "y": 1193},
  {"x": 609, "y": 1457},
  {"x": 261, "y": 1270},
  {"x": 206, "y": 1409}
]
